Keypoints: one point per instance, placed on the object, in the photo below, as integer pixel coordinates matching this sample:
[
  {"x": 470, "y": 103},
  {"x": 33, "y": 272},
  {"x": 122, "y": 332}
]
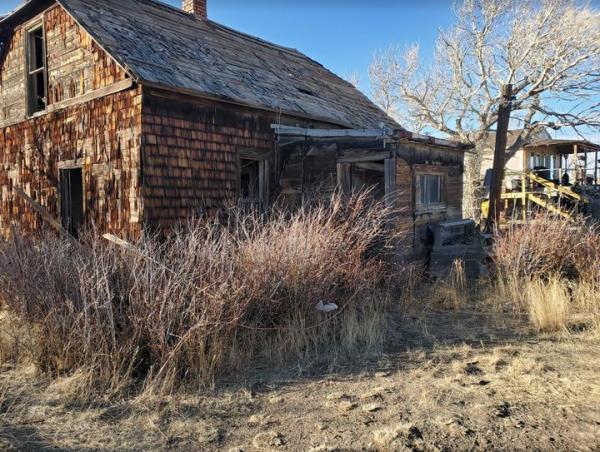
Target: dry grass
[
  {"x": 548, "y": 304},
  {"x": 548, "y": 269},
  {"x": 204, "y": 302},
  {"x": 512, "y": 394}
]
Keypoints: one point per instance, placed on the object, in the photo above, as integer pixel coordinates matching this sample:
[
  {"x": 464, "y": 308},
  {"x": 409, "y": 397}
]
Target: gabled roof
[{"x": 165, "y": 47}]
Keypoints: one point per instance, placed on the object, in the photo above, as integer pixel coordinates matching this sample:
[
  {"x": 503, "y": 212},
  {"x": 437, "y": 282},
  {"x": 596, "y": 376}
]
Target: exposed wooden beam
[
  {"x": 102, "y": 92},
  {"x": 329, "y": 133},
  {"x": 363, "y": 156},
  {"x": 372, "y": 166}
]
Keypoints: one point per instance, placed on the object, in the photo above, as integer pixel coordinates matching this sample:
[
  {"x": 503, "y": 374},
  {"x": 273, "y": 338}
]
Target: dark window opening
[
  {"x": 250, "y": 185},
  {"x": 254, "y": 180},
  {"x": 71, "y": 200},
  {"x": 369, "y": 176},
  {"x": 36, "y": 70}
]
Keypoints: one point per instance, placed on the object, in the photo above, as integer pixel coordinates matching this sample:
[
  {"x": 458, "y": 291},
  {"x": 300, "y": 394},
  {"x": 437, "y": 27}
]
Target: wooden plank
[
  {"x": 371, "y": 166},
  {"x": 102, "y": 92},
  {"x": 41, "y": 211},
  {"x": 363, "y": 156},
  {"x": 328, "y": 133},
  {"x": 390, "y": 181},
  {"x": 344, "y": 177},
  {"x": 120, "y": 242}
]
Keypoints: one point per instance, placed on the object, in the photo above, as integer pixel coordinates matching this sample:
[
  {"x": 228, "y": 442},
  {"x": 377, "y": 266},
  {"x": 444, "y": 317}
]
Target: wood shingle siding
[
  {"x": 190, "y": 156},
  {"x": 76, "y": 65},
  {"x": 104, "y": 135},
  {"x": 12, "y": 80}
]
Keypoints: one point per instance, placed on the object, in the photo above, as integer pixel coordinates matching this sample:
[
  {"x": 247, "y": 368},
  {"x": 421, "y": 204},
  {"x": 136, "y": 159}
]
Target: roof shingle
[{"x": 163, "y": 46}]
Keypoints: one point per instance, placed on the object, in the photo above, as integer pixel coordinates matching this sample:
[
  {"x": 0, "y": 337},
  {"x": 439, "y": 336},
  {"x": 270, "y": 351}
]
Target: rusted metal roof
[{"x": 165, "y": 47}]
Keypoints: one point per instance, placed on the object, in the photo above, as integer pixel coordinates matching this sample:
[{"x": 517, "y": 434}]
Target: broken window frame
[{"x": 35, "y": 102}]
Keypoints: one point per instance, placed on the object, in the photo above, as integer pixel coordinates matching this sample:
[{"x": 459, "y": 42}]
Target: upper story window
[{"x": 36, "y": 70}]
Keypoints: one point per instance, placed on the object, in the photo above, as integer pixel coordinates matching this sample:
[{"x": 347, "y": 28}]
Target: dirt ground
[{"x": 447, "y": 380}]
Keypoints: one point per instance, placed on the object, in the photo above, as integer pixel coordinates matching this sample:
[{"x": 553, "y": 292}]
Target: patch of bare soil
[{"x": 446, "y": 381}]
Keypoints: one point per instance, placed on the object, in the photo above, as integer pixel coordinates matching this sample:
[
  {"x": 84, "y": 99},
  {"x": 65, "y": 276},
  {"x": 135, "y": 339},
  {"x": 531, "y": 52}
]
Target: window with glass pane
[
  {"x": 36, "y": 70},
  {"x": 430, "y": 189}
]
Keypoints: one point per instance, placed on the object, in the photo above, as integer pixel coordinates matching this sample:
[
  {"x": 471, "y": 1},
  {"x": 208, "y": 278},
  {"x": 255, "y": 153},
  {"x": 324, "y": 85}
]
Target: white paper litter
[{"x": 325, "y": 306}]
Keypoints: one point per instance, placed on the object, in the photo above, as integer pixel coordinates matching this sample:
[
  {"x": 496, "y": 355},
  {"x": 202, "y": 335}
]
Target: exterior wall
[
  {"x": 103, "y": 136},
  {"x": 75, "y": 65},
  {"x": 412, "y": 159},
  {"x": 309, "y": 173},
  {"x": 190, "y": 150},
  {"x": 515, "y": 163},
  {"x": 12, "y": 80}
]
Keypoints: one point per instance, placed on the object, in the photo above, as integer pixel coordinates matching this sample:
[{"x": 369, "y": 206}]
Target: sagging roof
[{"x": 165, "y": 47}]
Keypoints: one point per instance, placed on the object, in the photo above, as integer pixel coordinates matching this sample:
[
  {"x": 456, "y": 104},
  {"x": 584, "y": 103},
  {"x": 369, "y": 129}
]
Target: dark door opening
[{"x": 71, "y": 200}]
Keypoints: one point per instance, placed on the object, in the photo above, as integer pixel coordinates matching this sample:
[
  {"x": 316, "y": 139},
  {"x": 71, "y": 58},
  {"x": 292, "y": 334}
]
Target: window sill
[
  {"x": 37, "y": 114},
  {"x": 432, "y": 208}
]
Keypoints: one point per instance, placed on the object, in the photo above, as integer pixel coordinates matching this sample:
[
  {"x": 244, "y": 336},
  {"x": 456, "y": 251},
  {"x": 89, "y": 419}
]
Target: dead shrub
[
  {"x": 548, "y": 245},
  {"x": 208, "y": 299},
  {"x": 548, "y": 257}
]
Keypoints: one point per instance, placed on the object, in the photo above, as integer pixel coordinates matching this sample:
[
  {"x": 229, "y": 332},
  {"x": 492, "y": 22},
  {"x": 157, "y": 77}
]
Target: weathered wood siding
[
  {"x": 307, "y": 172},
  {"x": 76, "y": 65},
  {"x": 13, "y": 105},
  {"x": 104, "y": 135},
  {"x": 412, "y": 159},
  {"x": 190, "y": 155}
]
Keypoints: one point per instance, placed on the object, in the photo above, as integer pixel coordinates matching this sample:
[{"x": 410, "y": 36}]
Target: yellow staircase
[{"x": 542, "y": 198}]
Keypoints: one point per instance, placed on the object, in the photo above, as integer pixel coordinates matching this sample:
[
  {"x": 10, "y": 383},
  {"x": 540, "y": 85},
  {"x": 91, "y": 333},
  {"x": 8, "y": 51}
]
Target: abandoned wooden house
[{"x": 134, "y": 115}]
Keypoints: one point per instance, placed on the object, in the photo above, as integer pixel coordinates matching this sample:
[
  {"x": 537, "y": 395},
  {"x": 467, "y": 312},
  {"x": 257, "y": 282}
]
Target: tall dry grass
[
  {"x": 549, "y": 269},
  {"x": 206, "y": 301},
  {"x": 548, "y": 302}
]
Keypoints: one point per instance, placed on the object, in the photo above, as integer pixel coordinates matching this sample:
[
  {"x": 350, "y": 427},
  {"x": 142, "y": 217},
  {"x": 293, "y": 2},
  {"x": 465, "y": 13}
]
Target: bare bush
[
  {"x": 545, "y": 246},
  {"x": 548, "y": 268},
  {"x": 206, "y": 300}
]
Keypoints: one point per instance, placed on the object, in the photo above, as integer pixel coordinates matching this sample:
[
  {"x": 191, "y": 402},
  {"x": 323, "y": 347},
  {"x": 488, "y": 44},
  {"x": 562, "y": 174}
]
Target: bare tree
[
  {"x": 549, "y": 50},
  {"x": 354, "y": 79}
]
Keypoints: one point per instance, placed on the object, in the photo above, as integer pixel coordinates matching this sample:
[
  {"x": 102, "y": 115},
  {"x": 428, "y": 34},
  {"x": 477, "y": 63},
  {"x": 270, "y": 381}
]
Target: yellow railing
[{"x": 533, "y": 196}]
